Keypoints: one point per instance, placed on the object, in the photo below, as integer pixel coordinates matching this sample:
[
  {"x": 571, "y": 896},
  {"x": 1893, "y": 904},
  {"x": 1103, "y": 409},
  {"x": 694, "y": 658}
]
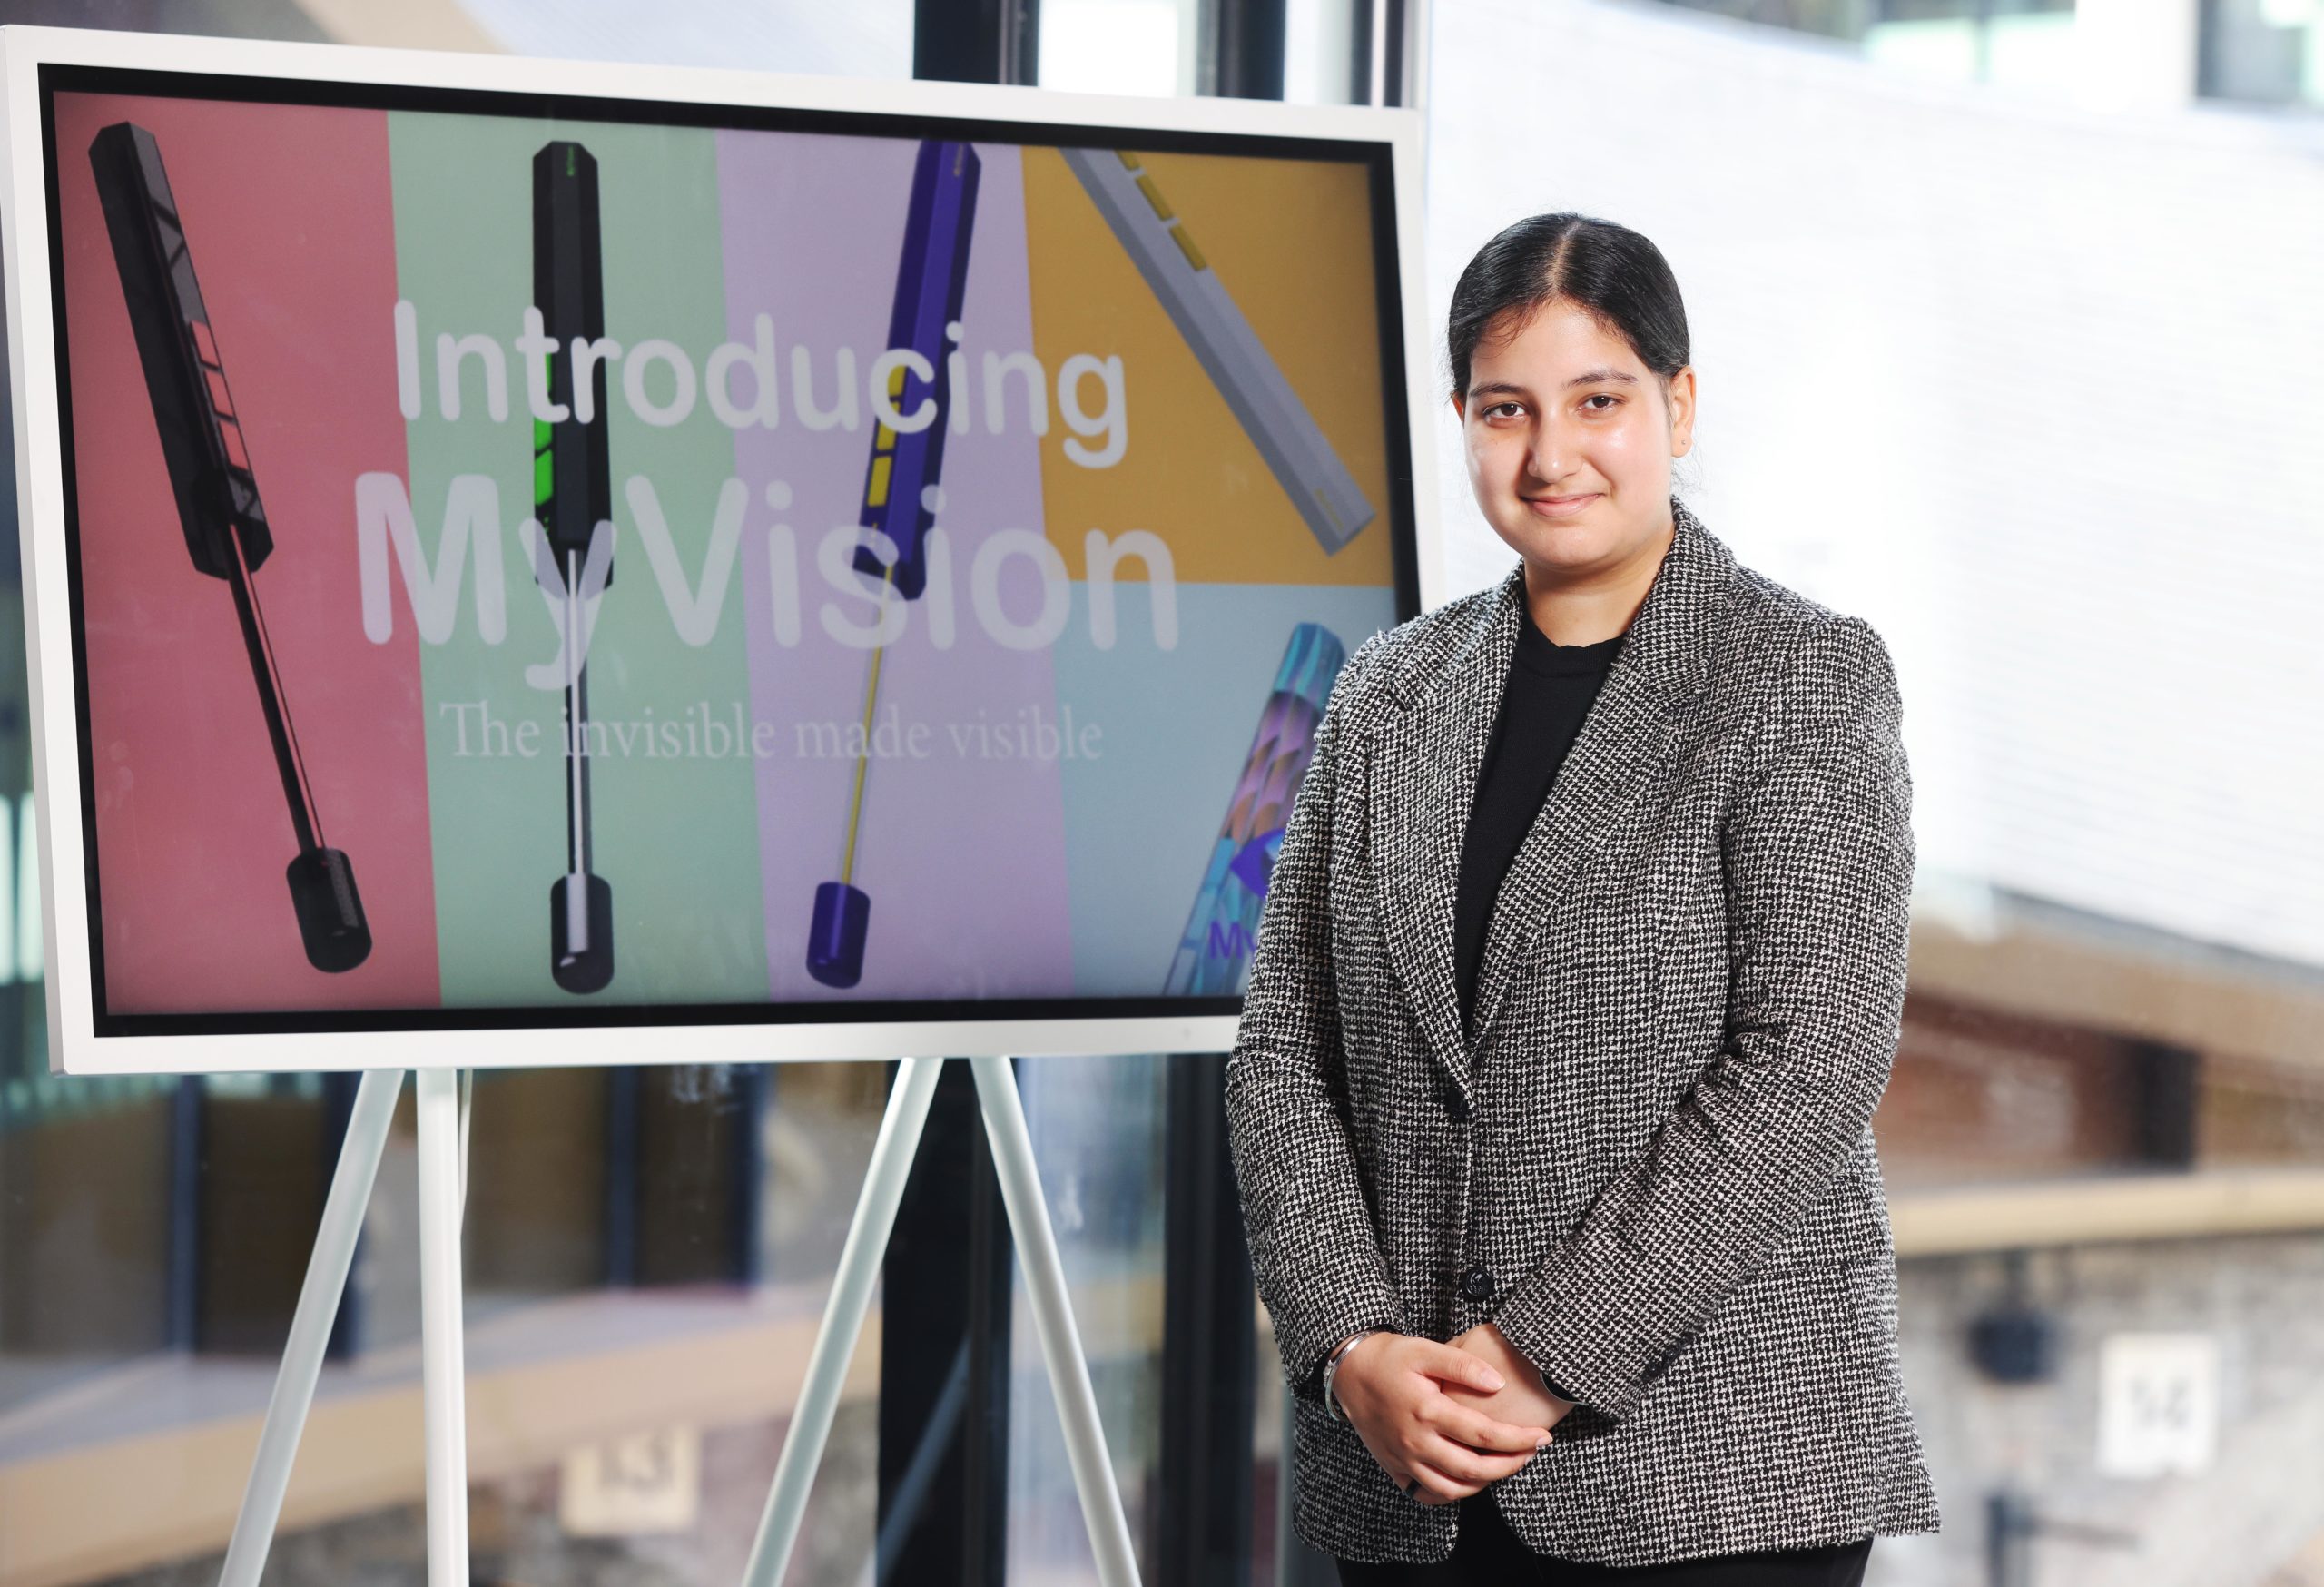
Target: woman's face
[{"x": 1569, "y": 440}]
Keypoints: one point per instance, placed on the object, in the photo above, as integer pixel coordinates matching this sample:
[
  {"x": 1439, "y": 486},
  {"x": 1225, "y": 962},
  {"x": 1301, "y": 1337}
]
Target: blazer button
[
  {"x": 1476, "y": 1284},
  {"x": 1456, "y": 1103}
]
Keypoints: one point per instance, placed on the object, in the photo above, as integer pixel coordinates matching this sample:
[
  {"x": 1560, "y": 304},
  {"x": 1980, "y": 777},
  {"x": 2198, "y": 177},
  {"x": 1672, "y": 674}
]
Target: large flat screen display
[{"x": 548, "y": 562}]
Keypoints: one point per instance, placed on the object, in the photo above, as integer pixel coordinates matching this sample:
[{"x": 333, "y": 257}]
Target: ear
[
  {"x": 1460, "y": 405},
  {"x": 1681, "y": 401}
]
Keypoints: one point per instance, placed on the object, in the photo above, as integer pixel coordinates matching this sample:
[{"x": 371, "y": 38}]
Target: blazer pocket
[{"x": 1846, "y": 1225}]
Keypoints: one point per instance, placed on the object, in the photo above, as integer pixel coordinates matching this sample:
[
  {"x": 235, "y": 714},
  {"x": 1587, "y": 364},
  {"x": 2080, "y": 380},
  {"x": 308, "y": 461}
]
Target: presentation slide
[{"x": 525, "y": 562}]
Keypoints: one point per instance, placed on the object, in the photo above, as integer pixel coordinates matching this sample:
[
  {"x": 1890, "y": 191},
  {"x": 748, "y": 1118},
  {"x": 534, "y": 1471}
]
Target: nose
[{"x": 1546, "y": 452}]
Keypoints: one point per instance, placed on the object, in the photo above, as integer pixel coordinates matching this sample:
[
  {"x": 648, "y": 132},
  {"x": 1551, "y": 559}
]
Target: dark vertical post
[
  {"x": 2169, "y": 1102},
  {"x": 1382, "y": 30},
  {"x": 1381, "y": 38},
  {"x": 1241, "y": 48},
  {"x": 975, "y": 41},
  {"x": 945, "y": 1294},
  {"x": 1202, "y": 1523},
  {"x": 753, "y": 1090},
  {"x": 624, "y": 1107},
  {"x": 1397, "y": 32},
  {"x": 183, "y": 1290},
  {"x": 338, "y": 1111}
]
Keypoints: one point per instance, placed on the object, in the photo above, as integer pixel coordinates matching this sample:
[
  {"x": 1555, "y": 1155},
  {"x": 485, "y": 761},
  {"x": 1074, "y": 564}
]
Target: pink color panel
[{"x": 289, "y": 216}]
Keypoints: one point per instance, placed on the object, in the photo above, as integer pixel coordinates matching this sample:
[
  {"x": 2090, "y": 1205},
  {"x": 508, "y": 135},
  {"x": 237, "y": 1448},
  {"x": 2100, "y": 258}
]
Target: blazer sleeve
[
  {"x": 1818, "y": 855},
  {"x": 1315, "y": 1249}
]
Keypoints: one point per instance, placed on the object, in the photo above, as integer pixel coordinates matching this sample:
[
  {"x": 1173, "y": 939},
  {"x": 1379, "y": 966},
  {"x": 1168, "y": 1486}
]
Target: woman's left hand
[{"x": 1523, "y": 1397}]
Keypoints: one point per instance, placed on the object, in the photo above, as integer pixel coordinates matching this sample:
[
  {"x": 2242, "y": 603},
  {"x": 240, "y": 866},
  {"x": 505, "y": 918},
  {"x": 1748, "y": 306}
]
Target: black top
[{"x": 1549, "y": 692}]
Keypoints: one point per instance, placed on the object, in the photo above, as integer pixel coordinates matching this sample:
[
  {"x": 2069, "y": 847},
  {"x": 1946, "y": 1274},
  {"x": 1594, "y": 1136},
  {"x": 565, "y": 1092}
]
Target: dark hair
[{"x": 1609, "y": 271}]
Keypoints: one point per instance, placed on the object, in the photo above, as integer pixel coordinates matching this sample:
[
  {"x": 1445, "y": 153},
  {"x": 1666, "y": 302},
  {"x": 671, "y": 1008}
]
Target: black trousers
[{"x": 1490, "y": 1555}]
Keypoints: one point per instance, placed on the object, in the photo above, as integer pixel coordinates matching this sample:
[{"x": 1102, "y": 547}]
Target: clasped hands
[{"x": 1445, "y": 1420}]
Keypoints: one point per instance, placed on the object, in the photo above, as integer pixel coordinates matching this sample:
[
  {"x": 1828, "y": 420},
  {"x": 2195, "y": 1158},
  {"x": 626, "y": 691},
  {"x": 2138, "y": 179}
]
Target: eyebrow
[{"x": 1587, "y": 377}]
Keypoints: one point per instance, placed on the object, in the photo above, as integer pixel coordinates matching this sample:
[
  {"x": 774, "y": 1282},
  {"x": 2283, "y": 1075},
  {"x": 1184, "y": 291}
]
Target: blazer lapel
[
  {"x": 1433, "y": 751},
  {"x": 1424, "y": 779},
  {"x": 1663, "y": 668}
]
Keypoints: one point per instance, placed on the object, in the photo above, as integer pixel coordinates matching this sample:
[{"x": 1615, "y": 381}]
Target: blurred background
[{"x": 2008, "y": 331}]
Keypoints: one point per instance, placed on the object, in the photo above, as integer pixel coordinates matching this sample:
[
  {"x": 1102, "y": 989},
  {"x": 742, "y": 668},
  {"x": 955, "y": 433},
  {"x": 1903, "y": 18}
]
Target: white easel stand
[
  {"x": 443, "y": 1361},
  {"x": 858, "y": 1265},
  {"x": 442, "y": 1192},
  {"x": 441, "y": 1184}
]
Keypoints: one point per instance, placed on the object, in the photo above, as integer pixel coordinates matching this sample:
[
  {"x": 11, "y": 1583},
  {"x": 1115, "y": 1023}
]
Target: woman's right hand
[{"x": 1437, "y": 1448}]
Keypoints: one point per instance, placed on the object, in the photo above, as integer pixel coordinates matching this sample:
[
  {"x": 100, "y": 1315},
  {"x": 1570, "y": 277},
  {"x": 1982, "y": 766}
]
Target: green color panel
[{"x": 677, "y": 838}]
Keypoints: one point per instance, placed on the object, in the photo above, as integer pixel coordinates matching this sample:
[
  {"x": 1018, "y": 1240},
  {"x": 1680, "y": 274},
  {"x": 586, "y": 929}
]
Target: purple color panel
[{"x": 963, "y": 857}]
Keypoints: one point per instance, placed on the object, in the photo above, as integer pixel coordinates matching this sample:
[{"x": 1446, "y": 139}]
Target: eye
[
  {"x": 1613, "y": 400},
  {"x": 1512, "y": 408}
]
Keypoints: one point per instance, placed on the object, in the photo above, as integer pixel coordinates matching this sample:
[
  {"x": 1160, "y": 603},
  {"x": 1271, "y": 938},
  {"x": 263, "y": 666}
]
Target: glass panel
[
  {"x": 1118, "y": 46},
  {"x": 1322, "y": 41},
  {"x": 2033, "y": 50},
  {"x": 1938, "y": 46},
  {"x": 2267, "y": 51},
  {"x": 1097, "y": 1125}
]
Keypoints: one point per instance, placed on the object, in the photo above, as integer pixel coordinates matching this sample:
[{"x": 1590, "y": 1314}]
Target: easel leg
[
  {"x": 310, "y": 1326},
  {"x": 442, "y": 1360},
  {"x": 842, "y": 1324},
  {"x": 1076, "y": 1401}
]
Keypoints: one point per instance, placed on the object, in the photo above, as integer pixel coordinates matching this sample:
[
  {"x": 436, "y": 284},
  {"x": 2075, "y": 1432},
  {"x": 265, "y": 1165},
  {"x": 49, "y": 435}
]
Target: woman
[{"x": 1580, "y": 976}]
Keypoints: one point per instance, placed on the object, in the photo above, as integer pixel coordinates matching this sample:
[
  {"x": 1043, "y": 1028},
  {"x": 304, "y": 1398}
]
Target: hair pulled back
[{"x": 1607, "y": 270}]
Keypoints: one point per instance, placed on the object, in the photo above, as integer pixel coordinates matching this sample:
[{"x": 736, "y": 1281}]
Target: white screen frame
[{"x": 75, "y": 1046}]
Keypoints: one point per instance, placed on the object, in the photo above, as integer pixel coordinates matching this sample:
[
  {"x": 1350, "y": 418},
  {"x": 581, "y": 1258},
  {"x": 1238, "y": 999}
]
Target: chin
[{"x": 1572, "y": 542}]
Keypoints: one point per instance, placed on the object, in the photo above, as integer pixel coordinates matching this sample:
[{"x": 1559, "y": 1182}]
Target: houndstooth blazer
[{"x": 1650, "y": 1160}]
